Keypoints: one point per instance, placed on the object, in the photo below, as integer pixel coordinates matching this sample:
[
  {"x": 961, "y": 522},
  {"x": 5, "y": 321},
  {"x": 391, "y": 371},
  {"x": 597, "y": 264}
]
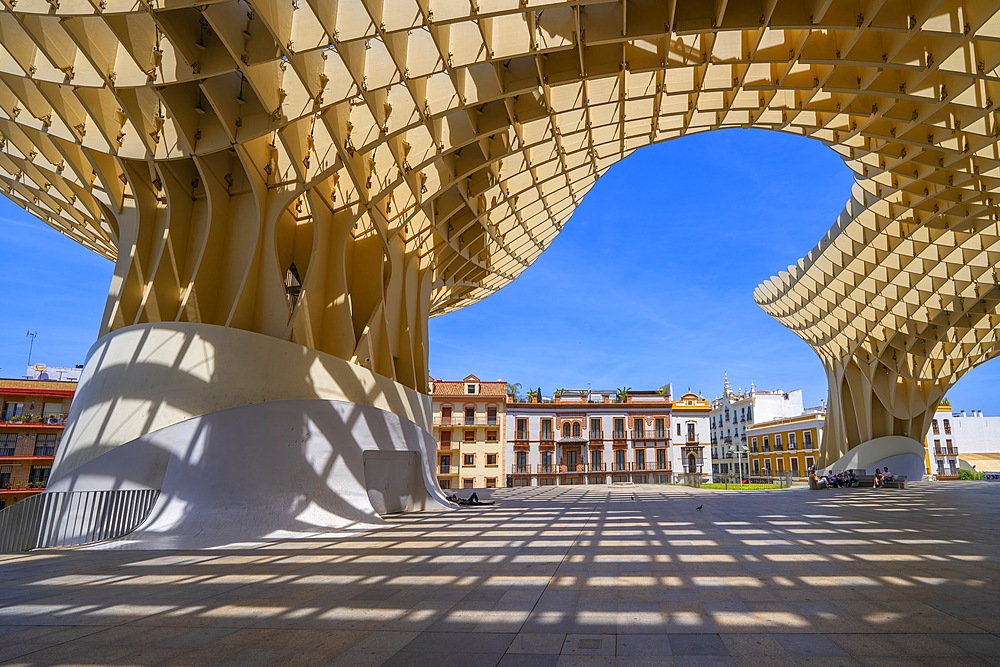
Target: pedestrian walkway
[{"x": 549, "y": 576}]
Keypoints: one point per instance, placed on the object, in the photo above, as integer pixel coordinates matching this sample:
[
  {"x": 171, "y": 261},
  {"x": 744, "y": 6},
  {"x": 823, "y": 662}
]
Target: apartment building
[
  {"x": 959, "y": 440},
  {"x": 784, "y": 445},
  {"x": 468, "y": 426},
  {"x": 32, "y": 413},
  {"x": 585, "y": 436},
  {"x": 736, "y": 411},
  {"x": 691, "y": 417}
]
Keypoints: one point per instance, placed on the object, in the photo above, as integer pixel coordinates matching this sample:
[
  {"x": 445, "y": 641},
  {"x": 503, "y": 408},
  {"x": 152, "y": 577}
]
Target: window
[
  {"x": 810, "y": 462},
  {"x": 522, "y": 429},
  {"x": 595, "y": 429},
  {"x": 445, "y": 465},
  {"x": 492, "y": 436},
  {"x": 468, "y": 482},
  {"x": 756, "y": 467},
  {"x": 12, "y": 410},
  {"x": 781, "y": 465},
  {"x": 491, "y": 416},
  {"x": 619, "y": 459},
  {"x": 565, "y": 429},
  {"x": 469, "y": 436},
  {"x": 767, "y": 443},
  {"x": 661, "y": 459},
  {"x": 45, "y": 444},
  {"x": 521, "y": 462},
  {"x": 470, "y": 415},
  {"x": 445, "y": 483},
  {"x": 947, "y": 427},
  {"x": 934, "y": 426},
  {"x": 491, "y": 460},
  {"x": 640, "y": 459},
  {"x": 468, "y": 459},
  {"x": 807, "y": 439},
  {"x": 595, "y": 459},
  {"x": 491, "y": 482},
  {"x": 546, "y": 429},
  {"x": 39, "y": 476},
  {"x": 445, "y": 415},
  {"x": 546, "y": 462},
  {"x": 619, "y": 428},
  {"x": 753, "y": 444},
  {"x": 576, "y": 429},
  {"x": 638, "y": 428},
  {"x": 777, "y": 442},
  {"x": 8, "y": 442},
  {"x": 445, "y": 439},
  {"x": 470, "y": 388},
  {"x": 658, "y": 427},
  {"x": 791, "y": 441},
  {"x": 678, "y": 429}
]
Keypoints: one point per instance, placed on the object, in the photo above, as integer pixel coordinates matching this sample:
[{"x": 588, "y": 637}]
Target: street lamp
[{"x": 738, "y": 448}]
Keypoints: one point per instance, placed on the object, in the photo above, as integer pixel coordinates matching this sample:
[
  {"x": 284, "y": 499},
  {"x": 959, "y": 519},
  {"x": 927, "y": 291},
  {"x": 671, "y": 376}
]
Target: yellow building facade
[
  {"x": 789, "y": 445},
  {"x": 468, "y": 427}
]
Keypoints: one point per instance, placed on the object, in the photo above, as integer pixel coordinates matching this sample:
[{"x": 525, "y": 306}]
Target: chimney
[{"x": 962, "y": 413}]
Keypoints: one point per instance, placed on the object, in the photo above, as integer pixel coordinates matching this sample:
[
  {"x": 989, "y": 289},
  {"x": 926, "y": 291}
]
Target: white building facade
[
  {"x": 736, "y": 411},
  {"x": 957, "y": 440}
]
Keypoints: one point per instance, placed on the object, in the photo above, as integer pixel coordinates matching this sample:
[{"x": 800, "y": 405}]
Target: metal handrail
[{"x": 73, "y": 518}]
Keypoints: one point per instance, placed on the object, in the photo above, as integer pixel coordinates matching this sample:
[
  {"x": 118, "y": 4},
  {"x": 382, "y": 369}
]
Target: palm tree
[
  {"x": 622, "y": 394},
  {"x": 513, "y": 390},
  {"x": 533, "y": 394}
]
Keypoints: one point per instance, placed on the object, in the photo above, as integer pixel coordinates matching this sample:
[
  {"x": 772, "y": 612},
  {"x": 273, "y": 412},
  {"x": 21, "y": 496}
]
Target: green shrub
[{"x": 969, "y": 474}]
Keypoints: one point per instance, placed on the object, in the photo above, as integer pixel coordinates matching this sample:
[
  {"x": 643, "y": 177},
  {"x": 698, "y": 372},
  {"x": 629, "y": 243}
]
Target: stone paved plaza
[{"x": 549, "y": 576}]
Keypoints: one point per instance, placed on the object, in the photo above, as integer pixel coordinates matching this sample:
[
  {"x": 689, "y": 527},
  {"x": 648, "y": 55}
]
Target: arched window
[
  {"x": 576, "y": 429},
  {"x": 566, "y": 428}
]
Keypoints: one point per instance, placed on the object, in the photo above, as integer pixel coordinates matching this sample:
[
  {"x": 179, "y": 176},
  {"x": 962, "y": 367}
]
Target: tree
[
  {"x": 533, "y": 394},
  {"x": 514, "y": 391},
  {"x": 622, "y": 394}
]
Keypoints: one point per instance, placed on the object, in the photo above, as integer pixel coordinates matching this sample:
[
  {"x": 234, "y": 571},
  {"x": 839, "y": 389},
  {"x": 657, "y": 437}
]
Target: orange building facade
[
  {"x": 469, "y": 423},
  {"x": 591, "y": 437},
  {"x": 32, "y": 413},
  {"x": 789, "y": 445}
]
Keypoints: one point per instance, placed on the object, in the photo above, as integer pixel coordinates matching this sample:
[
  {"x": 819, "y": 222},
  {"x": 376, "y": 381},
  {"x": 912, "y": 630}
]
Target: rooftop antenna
[{"x": 31, "y": 346}]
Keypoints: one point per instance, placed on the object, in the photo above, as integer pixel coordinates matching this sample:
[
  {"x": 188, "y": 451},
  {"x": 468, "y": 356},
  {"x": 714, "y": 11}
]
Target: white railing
[{"x": 72, "y": 518}]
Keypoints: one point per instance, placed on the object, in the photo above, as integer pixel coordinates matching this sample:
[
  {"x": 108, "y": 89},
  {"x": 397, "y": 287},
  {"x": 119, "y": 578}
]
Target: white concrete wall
[
  {"x": 269, "y": 471},
  {"x": 145, "y": 377}
]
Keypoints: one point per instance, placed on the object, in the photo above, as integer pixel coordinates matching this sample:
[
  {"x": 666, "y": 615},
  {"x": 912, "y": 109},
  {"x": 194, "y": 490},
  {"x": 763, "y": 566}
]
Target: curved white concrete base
[
  {"x": 247, "y": 437},
  {"x": 902, "y": 455},
  {"x": 268, "y": 471}
]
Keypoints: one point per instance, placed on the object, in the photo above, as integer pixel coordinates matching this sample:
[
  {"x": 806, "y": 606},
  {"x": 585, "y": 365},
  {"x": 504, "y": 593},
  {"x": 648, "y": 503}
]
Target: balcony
[
  {"x": 691, "y": 438},
  {"x": 459, "y": 420},
  {"x": 554, "y": 469},
  {"x": 946, "y": 452},
  {"x": 45, "y": 450},
  {"x": 447, "y": 470},
  {"x": 649, "y": 434}
]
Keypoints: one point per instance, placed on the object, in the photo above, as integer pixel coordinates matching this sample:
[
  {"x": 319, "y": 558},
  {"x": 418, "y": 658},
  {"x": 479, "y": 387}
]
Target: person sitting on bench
[
  {"x": 886, "y": 475},
  {"x": 820, "y": 482},
  {"x": 879, "y": 479}
]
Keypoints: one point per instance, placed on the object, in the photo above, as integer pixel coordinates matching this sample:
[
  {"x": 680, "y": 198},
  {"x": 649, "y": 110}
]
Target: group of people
[
  {"x": 848, "y": 479},
  {"x": 842, "y": 480}
]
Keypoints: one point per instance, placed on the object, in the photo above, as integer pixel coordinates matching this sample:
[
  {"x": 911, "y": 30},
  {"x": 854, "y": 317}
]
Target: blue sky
[{"x": 650, "y": 282}]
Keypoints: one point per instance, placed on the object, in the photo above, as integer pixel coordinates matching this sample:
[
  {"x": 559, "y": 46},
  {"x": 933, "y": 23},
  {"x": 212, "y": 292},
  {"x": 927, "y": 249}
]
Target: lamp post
[{"x": 738, "y": 448}]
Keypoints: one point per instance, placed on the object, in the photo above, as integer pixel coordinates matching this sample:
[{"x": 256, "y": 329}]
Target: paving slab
[{"x": 548, "y": 576}]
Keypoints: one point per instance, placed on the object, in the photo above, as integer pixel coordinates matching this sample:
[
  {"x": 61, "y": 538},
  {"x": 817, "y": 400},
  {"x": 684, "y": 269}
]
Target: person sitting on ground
[
  {"x": 879, "y": 479},
  {"x": 831, "y": 480},
  {"x": 886, "y": 475},
  {"x": 852, "y": 479}
]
